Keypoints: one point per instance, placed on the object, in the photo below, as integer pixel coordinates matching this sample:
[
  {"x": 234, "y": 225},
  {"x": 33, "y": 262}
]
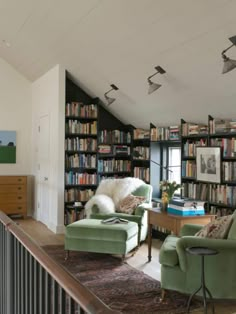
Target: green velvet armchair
[
  {"x": 181, "y": 271},
  {"x": 140, "y": 213}
]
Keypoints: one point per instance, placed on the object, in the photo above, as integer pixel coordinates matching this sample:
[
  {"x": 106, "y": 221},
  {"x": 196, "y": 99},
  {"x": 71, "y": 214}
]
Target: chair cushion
[
  {"x": 95, "y": 229},
  {"x": 168, "y": 255},
  {"x": 144, "y": 190},
  {"x": 217, "y": 229}
]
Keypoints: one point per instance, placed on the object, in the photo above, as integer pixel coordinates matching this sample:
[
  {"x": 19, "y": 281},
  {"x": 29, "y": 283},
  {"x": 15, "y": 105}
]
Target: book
[
  {"x": 186, "y": 202},
  {"x": 114, "y": 220}
]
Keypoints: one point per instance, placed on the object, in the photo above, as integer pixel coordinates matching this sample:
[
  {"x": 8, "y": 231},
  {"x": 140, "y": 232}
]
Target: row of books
[
  {"x": 228, "y": 146},
  {"x": 141, "y": 134},
  {"x": 193, "y": 129},
  {"x": 223, "y": 194},
  {"x": 219, "y": 125},
  {"x": 142, "y": 173},
  {"x": 73, "y": 178},
  {"x": 189, "y": 168},
  {"x": 114, "y": 149},
  {"x": 81, "y": 144},
  {"x": 77, "y": 127},
  {"x": 113, "y": 165},
  {"x": 229, "y": 171},
  {"x": 81, "y": 160},
  {"x": 114, "y": 136},
  {"x": 73, "y": 215},
  {"x": 75, "y": 195},
  {"x": 78, "y": 109},
  {"x": 189, "y": 148},
  {"x": 143, "y": 152},
  {"x": 165, "y": 133},
  {"x": 195, "y": 190}
]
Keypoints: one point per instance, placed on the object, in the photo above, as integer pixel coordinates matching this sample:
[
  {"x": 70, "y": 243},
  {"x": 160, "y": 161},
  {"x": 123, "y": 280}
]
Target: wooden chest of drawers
[{"x": 13, "y": 195}]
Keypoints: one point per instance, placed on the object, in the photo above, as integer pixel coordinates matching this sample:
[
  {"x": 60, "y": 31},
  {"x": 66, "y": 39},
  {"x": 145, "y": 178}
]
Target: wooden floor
[{"x": 43, "y": 236}]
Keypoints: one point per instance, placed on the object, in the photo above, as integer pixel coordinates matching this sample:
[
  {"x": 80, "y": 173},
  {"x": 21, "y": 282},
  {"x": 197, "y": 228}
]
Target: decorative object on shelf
[
  {"x": 154, "y": 86},
  {"x": 110, "y": 100},
  {"x": 208, "y": 164},
  {"x": 168, "y": 191},
  {"x": 229, "y": 64}
]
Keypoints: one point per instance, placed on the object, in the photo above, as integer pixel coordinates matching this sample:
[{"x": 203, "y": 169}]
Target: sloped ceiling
[{"x": 101, "y": 42}]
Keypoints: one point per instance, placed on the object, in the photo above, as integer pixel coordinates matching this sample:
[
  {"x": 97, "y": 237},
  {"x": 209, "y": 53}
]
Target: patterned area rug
[{"x": 119, "y": 285}]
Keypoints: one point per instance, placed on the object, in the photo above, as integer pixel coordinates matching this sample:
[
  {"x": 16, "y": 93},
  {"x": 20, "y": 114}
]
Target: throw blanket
[{"x": 110, "y": 192}]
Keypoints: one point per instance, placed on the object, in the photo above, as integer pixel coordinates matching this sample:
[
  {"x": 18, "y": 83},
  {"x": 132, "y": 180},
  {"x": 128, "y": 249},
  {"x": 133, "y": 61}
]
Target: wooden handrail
[{"x": 75, "y": 289}]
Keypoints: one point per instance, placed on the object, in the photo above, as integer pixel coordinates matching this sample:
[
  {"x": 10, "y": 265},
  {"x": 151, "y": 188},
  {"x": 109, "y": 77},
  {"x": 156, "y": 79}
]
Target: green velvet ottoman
[{"x": 91, "y": 235}]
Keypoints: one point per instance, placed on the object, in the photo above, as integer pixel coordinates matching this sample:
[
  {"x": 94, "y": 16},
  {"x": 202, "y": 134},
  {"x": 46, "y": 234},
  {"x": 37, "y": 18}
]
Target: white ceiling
[{"x": 101, "y": 42}]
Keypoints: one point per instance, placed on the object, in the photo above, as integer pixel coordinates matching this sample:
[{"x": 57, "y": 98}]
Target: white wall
[
  {"x": 48, "y": 98},
  {"x": 15, "y": 115}
]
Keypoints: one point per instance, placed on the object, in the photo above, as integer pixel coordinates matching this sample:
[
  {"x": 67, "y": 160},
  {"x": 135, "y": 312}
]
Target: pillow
[
  {"x": 217, "y": 229},
  {"x": 129, "y": 203}
]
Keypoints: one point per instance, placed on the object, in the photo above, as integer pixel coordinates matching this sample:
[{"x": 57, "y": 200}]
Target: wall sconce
[
  {"x": 110, "y": 100},
  {"x": 154, "y": 86},
  {"x": 229, "y": 64}
]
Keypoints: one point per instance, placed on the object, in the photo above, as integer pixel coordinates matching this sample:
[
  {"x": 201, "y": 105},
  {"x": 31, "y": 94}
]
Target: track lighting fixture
[
  {"x": 229, "y": 64},
  {"x": 154, "y": 86},
  {"x": 110, "y": 100}
]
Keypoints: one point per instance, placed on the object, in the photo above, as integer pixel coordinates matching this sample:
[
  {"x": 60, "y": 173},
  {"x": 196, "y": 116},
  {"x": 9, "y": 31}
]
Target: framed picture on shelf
[{"x": 208, "y": 161}]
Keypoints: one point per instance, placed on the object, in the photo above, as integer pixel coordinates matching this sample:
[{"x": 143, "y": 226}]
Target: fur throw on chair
[{"x": 110, "y": 192}]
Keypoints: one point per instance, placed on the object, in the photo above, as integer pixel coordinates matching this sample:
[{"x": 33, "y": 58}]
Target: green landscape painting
[{"x": 8, "y": 147}]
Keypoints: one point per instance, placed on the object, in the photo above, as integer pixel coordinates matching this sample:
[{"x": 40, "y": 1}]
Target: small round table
[{"x": 201, "y": 251}]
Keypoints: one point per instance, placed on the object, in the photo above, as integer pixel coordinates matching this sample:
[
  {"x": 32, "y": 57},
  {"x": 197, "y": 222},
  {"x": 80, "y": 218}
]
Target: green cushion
[
  {"x": 168, "y": 254},
  {"x": 94, "y": 229}
]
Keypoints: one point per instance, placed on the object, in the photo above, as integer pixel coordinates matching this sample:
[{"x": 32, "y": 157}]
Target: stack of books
[{"x": 186, "y": 207}]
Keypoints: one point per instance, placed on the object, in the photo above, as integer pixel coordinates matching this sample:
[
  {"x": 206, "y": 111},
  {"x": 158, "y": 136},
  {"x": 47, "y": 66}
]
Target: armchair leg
[{"x": 163, "y": 293}]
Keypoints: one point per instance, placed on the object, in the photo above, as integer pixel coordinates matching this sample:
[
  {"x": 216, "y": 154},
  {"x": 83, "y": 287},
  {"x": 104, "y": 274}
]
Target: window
[{"x": 174, "y": 164}]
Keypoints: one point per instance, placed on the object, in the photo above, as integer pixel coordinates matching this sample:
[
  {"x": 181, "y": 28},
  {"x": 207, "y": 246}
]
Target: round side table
[{"x": 202, "y": 251}]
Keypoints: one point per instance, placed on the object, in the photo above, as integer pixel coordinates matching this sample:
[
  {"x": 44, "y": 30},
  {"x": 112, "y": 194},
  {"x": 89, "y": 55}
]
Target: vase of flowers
[{"x": 168, "y": 190}]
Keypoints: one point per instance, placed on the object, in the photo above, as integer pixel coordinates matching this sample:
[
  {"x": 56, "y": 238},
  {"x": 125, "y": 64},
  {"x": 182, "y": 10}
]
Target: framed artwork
[
  {"x": 208, "y": 160},
  {"x": 8, "y": 147}
]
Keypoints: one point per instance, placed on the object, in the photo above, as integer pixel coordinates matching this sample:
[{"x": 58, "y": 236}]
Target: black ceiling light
[
  {"x": 154, "y": 86},
  {"x": 229, "y": 64},
  {"x": 110, "y": 100}
]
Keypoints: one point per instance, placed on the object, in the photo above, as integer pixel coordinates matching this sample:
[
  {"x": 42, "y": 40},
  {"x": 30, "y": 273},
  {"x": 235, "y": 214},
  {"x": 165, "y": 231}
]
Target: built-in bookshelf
[
  {"x": 192, "y": 135},
  {"x": 141, "y": 154},
  {"x": 114, "y": 149},
  {"x": 220, "y": 197},
  {"x": 80, "y": 155}
]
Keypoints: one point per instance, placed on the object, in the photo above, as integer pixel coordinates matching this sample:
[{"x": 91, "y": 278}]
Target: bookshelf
[
  {"x": 141, "y": 144},
  {"x": 192, "y": 136},
  {"x": 222, "y": 197},
  {"x": 114, "y": 149},
  {"x": 81, "y": 128}
]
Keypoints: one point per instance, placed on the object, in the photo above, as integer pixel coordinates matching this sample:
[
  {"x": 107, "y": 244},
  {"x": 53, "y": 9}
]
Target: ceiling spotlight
[
  {"x": 154, "y": 86},
  {"x": 229, "y": 64},
  {"x": 110, "y": 100}
]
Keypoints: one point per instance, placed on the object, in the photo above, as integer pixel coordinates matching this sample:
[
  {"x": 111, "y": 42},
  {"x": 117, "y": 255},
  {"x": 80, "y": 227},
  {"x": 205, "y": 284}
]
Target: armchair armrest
[
  {"x": 190, "y": 229},
  {"x": 225, "y": 247}
]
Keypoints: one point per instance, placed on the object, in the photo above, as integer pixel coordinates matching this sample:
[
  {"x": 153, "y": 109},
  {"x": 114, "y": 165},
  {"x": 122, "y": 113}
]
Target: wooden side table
[{"x": 171, "y": 222}]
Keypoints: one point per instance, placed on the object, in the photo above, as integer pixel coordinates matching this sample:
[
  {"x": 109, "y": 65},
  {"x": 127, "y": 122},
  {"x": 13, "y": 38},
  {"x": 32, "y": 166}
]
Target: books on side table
[
  {"x": 186, "y": 207},
  {"x": 114, "y": 220}
]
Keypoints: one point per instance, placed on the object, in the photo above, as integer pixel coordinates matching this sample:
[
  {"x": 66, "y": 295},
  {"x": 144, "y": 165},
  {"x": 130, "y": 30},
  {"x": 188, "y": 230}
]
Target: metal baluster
[
  {"x": 55, "y": 297},
  {"x": 48, "y": 294}
]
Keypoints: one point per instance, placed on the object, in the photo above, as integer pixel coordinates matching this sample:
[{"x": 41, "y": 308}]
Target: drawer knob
[{"x": 19, "y": 198}]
